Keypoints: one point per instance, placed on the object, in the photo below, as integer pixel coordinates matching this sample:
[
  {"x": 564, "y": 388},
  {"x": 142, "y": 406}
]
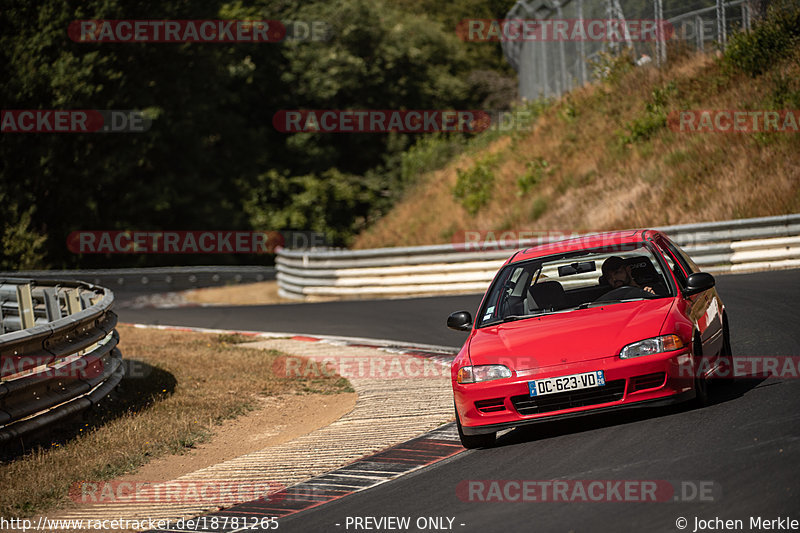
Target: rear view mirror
[
  {"x": 699, "y": 282},
  {"x": 576, "y": 268},
  {"x": 460, "y": 321}
]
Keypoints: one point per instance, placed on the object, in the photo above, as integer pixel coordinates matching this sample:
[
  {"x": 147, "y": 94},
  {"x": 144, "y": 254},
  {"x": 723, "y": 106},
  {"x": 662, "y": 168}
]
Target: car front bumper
[{"x": 490, "y": 406}]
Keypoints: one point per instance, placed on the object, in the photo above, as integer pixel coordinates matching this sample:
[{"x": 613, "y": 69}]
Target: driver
[{"x": 618, "y": 274}]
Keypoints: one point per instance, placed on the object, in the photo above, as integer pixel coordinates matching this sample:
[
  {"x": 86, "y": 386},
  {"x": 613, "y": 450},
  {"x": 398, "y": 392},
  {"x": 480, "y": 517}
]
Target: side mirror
[
  {"x": 460, "y": 321},
  {"x": 699, "y": 282}
]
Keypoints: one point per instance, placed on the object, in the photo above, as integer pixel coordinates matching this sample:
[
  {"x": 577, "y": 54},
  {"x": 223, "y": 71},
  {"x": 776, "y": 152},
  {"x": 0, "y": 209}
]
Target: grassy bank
[
  {"x": 180, "y": 388},
  {"x": 605, "y": 157}
]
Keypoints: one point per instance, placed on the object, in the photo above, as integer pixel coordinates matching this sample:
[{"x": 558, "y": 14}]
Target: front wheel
[
  {"x": 471, "y": 442},
  {"x": 726, "y": 355},
  {"x": 700, "y": 382}
]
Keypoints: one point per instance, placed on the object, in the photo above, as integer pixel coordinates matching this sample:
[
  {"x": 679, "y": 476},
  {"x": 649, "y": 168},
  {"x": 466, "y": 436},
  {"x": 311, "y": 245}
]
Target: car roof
[{"x": 596, "y": 240}]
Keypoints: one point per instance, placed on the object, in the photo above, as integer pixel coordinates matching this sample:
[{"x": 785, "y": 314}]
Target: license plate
[{"x": 586, "y": 380}]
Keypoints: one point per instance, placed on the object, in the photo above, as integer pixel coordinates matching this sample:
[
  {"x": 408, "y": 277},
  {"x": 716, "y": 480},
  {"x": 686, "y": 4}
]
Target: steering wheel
[{"x": 626, "y": 292}]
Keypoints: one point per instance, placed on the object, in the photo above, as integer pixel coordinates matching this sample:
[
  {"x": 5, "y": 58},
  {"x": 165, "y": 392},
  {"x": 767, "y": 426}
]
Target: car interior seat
[
  {"x": 549, "y": 295},
  {"x": 642, "y": 270}
]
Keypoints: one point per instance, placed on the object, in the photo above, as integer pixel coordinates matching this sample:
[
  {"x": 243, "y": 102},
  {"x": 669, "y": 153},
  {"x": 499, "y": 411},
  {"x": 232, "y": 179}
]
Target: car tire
[
  {"x": 471, "y": 442},
  {"x": 726, "y": 355},
  {"x": 700, "y": 382}
]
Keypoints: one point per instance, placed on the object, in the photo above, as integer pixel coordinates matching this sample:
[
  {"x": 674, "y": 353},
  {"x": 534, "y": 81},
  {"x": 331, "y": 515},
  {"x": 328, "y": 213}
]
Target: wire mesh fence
[{"x": 563, "y": 51}]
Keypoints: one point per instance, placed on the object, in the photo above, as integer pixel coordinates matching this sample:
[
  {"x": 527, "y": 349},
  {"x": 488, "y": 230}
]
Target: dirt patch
[
  {"x": 279, "y": 419},
  {"x": 262, "y": 293}
]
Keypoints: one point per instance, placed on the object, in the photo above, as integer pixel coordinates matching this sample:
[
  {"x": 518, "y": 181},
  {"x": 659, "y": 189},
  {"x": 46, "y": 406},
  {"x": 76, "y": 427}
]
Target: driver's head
[{"x": 616, "y": 272}]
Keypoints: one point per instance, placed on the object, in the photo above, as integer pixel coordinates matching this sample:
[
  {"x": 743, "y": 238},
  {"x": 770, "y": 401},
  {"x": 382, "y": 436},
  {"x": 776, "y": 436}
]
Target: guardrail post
[
  {"x": 25, "y": 306},
  {"x": 73, "y": 301},
  {"x": 51, "y": 304},
  {"x": 86, "y": 298}
]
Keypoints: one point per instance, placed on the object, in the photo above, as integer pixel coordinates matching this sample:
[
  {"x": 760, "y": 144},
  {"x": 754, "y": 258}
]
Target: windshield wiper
[
  {"x": 589, "y": 305},
  {"x": 509, "y": 318}
]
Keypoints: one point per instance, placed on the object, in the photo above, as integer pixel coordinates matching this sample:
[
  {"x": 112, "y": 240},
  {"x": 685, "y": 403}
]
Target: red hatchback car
[{"x": 590, "y": 324}]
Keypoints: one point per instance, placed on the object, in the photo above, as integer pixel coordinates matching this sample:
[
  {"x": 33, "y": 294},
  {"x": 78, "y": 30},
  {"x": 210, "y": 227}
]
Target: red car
[{"x": 590, "y": 324}]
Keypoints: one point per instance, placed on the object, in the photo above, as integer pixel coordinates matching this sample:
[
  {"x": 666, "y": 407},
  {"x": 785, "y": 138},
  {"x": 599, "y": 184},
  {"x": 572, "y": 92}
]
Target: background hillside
[
  {"x": 600, "y": 157},
  {"x": 604, "y": 157}
]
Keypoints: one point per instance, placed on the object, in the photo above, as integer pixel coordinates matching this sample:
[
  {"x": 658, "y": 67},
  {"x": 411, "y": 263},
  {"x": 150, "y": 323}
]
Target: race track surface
[{"x": 746, "y": 445}]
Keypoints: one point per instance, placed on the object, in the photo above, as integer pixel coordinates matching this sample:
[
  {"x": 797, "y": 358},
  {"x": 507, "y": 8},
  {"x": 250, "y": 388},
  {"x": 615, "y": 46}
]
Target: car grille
[
  {"x": 490, "y": 406},
  {"x": 527, "y": 405},
  {"x": 647, "y": 381}
]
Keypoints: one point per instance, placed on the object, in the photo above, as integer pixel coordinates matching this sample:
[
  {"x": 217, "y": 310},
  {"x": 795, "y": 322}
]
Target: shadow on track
[{"x": 720, "y": 392}]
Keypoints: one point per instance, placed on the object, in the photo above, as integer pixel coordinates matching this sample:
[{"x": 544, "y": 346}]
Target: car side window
[
  {"x": 688, "y": 265},
  {"x": 672, "y": 263},
  {"x": 684, "y": 258}
]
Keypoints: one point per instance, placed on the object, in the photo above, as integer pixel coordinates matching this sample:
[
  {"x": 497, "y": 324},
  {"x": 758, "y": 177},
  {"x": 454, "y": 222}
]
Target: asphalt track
[{"x": 746, "y": 444}]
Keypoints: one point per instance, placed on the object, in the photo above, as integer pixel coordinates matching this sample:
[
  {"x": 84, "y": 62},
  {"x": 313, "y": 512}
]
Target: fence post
[
  {"x": 582, "y": 46},
  {"x": 661, "y": 44},
  {"x": 722, "y": 35},
  {"x": 545, "y": 81},
  {"x": 745, "y": 17},
  {"x": 701, "y": 35}
]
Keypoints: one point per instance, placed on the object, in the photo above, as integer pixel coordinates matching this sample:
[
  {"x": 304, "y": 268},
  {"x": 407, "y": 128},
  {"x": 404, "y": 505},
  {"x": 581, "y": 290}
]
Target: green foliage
[
  {"x": 610, "y": 67},
  {"x": 212, "y": 159},
  {"x": 535, "y": 172},
  {"x": 429, "y": 153},
  {"x": 654, "y": 117},
  {"x": 473, "y": 187},
  {"x": 538, "y": 208},
  {"x": 20, "y": 246},
  {"x": 770, "y": 41},
  {"x": 785, "y": 92}
]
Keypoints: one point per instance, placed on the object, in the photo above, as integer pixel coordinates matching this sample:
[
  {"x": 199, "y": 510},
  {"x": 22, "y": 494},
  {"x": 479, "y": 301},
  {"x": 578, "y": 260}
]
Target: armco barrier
[
  {"x": 729, "y": 246},
  {"x": 58, "y": 352},
  {"x": 157, "y": 279}
]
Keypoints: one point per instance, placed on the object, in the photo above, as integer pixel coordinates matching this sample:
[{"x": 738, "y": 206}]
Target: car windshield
[{"x": 574, "y": 280}]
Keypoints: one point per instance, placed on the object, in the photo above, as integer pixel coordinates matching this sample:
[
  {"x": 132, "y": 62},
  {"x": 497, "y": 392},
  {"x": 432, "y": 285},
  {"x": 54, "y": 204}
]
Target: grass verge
[{"x": 181, "y": 386}]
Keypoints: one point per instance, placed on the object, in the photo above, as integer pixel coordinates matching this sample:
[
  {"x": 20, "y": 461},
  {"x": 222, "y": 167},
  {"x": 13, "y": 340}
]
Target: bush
[
  {"x": 654, "y": 118},
  {"x": 20, "y": 246},
  {"x": 429, "y": 153},
  {"x": 771, "y": 40},
  {"x": 536, "y": 170},
  {"x": 474, "y": 186}
]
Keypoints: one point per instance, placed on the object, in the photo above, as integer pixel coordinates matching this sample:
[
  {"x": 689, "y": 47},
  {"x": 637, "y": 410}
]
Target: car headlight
[
  {"x": 664, "y": 343},
  {"x": 474, "y": 374}
]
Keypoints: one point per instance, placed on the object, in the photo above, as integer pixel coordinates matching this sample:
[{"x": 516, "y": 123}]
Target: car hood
[{"x": 568, "y": 337}]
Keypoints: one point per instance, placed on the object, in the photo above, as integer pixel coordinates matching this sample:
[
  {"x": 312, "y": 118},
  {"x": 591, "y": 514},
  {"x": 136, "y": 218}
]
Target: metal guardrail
[
  {"x": 58, "y": 352},
  {"x": 729, "y": 246},
  {"x": 159, "y": 278}
]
